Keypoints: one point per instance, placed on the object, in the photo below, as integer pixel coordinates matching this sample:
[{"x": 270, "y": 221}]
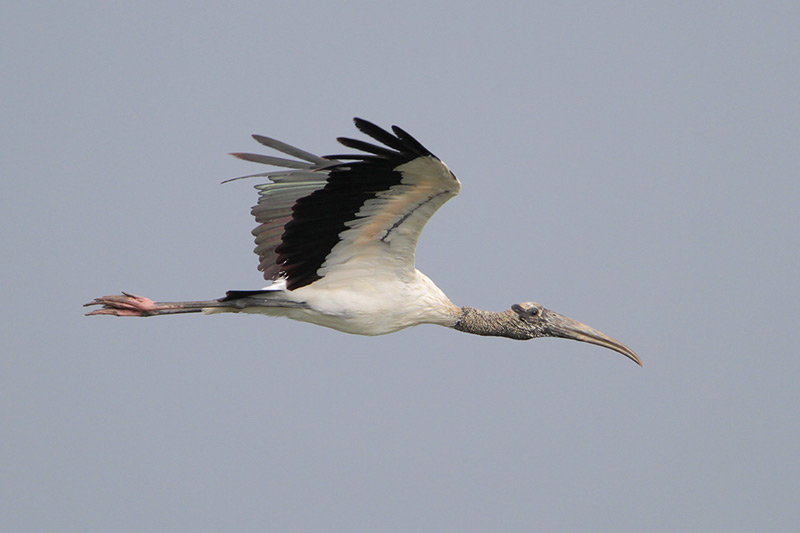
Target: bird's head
[{"x": 534, "y": 320}]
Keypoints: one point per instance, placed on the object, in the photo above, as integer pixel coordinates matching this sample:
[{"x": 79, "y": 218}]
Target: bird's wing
[{"x": 353, "y": 213}]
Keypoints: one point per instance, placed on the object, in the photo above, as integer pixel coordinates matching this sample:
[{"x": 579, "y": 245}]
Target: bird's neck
[{"x": 489, "y": 323}]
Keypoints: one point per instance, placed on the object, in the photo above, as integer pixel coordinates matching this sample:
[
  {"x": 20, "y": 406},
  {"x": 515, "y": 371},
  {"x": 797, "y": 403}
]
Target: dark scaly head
[{"x": 534, "y": 320}]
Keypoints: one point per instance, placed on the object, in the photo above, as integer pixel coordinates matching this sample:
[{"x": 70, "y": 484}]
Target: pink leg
[{"x": 125, "y": 304}]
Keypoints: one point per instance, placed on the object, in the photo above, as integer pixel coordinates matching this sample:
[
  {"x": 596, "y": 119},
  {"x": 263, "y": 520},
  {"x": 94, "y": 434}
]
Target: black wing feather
[{"x": 319, "y": 218}]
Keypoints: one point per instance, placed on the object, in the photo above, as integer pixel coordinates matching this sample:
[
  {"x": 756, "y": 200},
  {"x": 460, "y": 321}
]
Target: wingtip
[{"x": 362, "y": 123}]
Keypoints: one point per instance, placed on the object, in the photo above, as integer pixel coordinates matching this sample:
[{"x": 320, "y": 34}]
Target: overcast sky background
[{"x": 633, "y": 166}]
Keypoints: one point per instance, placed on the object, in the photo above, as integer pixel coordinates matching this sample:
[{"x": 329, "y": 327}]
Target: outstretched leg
[{"x": 127, "y": 304}]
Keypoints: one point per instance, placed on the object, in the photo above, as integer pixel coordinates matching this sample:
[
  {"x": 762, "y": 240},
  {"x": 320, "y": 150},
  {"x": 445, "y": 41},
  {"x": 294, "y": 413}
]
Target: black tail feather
[{"x": 238, "y": 295}]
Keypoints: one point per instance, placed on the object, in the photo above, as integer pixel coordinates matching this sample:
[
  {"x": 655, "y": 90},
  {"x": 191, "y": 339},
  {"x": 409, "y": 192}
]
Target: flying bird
[{"x": 336, "y": 238}]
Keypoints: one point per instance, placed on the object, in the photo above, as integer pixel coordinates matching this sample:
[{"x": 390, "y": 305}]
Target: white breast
[{"x": 370, "y": 305}]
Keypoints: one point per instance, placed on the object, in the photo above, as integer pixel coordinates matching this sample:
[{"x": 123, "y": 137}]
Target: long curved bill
[{"x": 567, "y": 328}]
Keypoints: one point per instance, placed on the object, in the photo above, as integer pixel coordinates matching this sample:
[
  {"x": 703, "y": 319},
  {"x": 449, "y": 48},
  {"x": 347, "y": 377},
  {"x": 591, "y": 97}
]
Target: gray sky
[{"x": 635, "y": 167}]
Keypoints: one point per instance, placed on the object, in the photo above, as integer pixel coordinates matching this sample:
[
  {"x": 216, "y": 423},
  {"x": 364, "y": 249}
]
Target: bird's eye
[{"x": 533, "y": 312}]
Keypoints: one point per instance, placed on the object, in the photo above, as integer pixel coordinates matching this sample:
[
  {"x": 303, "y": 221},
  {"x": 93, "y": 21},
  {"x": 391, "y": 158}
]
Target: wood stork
[{"x": 336, "y": 237}]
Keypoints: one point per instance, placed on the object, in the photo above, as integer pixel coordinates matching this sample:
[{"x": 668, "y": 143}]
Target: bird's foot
[{"x": 125, "y": 304}]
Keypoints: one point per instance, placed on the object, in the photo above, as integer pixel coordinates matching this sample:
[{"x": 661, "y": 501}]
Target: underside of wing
[{"x": 346, "y": 212}]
